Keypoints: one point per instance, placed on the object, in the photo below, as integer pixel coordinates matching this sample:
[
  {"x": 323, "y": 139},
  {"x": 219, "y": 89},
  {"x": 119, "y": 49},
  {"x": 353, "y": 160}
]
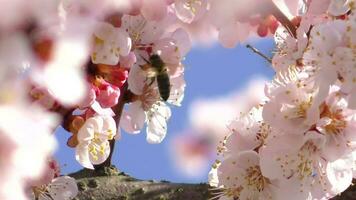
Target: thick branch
[{"x": 109, "y": 184}]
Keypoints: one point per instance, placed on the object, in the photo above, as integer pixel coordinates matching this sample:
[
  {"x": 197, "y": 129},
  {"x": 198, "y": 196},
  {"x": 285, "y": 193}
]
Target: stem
[
  {"x": 259, "y": 53},
  {"x": 118, "y": 112},
  {"x": 283, "y": 19}
]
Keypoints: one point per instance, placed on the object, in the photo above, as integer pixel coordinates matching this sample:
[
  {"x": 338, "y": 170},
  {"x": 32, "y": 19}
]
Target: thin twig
[{"x": 259, "y": 53}]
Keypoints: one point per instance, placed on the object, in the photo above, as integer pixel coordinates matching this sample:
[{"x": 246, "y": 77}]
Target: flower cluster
[
  {"x": 77, "y": 63},
  {"x": 301, "y": 141}
]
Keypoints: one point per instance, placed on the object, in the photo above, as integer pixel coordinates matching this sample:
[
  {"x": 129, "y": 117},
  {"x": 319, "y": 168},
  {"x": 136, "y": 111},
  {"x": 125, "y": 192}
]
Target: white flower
[
  {"x": 190, "y": 10},
  {"x": 248, "y": 132},
  {"x": 61, "y": 188},
  {"x": 292, "y": 107},
  {"x": 339, "y": 7},
  {"x": 321, "y": 59},
  {"x": 157, "y": 118},
  {"x": 143, "y": 32},
  {"x": 240, "y": 177},
  {"x": 338, "y": 124},
  {"x": 297, "y": 161},
  {"x": 148, "y": 108},
  {"x": 289, "y": 49},
  {"x": 93, "y": 138},
  {"x": 109, "y": 44},
  {"x": 155, "y": 114}
]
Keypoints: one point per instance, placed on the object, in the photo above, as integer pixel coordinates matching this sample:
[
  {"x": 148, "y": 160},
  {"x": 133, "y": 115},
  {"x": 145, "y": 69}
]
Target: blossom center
[
  {"x": 190, "y": 5},
  {"x": 97, "y": 147},
  {"x": 299, "y": 111},
  {"x": 254, "y": 178},
  {"x": 263, "y": 132},
  {"x": 337, "y": 121},
  {"x": 305, "y": 167}
]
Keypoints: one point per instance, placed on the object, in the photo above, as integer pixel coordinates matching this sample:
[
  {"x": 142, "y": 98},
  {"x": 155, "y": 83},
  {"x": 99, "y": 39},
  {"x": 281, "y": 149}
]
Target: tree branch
[
  {"x": 259, "y": 53},
  {"x": 108, "y": 184},
  {"x": 118, "y": 112},
  {"x": 283, "y": 19}
]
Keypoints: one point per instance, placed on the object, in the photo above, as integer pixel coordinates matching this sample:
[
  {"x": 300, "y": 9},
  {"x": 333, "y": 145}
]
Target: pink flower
[
  {"x": 321, "y": 59},
  {"x": 106, "y": 94},
  {"x": 248, "y": 132},
  {"x": 292, "y": 107},
  {"x": 338, "y": 124},
  {"x": 240, "y": 176},
  {"x": 290, "y": 50},
  {"x": 144, "y": 32},
  {"x": 298, "y": 163}
]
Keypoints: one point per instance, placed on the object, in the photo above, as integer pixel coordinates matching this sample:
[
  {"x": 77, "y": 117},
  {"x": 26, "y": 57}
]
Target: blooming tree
[{"x": 101, "y": 66}]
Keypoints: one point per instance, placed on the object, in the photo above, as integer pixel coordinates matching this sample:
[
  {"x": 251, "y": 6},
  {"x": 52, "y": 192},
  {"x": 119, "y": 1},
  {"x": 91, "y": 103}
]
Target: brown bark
[{"x": 109, "y": 184}]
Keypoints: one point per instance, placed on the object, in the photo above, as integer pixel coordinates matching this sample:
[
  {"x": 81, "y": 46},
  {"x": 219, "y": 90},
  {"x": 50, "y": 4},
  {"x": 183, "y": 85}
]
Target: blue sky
[{"x": 210, "y": 72}]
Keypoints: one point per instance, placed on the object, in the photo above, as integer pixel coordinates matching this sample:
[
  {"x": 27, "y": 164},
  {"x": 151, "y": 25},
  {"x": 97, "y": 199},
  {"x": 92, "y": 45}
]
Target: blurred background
[{"x": 221, "y": 83}]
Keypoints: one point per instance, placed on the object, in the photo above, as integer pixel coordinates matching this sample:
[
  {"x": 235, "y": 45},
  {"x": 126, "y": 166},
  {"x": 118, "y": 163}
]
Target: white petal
[
  {"x": 154, "y": 9},
  {"x": 227, "y": 35},
  {"x": 189, "y": 13},
  {"x": 339, "y": 174},
  {"x": 63, "y": 188},
  {"x": 136, "y": 80},
  {"x": 157, "y": 123},
  {"x": 102, "y": 111},
  {"x": 182, "y": 40},
  {"x": 339, "y": 7},
  {"x": 133, "y": 120},
  {"x": 82, "y": 156},
  {"x": 109, "y": 125},
  {"x": 124, "y": 42},
  {"x": 177, "y": 90},
  {"x": 233, "y": 33}
]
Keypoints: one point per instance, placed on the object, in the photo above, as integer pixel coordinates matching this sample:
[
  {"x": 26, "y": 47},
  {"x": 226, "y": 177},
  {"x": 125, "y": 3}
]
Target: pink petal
[{"x": 154, "y": 9}]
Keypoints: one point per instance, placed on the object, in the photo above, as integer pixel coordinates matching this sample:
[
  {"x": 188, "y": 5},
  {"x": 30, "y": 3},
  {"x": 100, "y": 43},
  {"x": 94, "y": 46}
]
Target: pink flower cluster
[{"x": 300, "y": 143}]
